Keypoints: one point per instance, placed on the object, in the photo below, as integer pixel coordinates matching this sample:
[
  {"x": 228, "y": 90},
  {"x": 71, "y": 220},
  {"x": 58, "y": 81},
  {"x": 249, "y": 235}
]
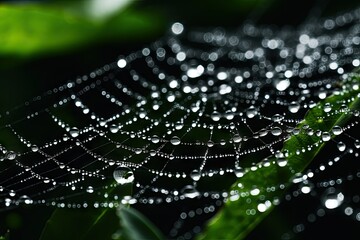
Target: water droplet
[
  {"x": 341, "y": 146},
  {"x": 114, "y": 128},
  {"x": 337, "y": 130},
  {"x": 90, "y": 189},
  {"x": 74, "y": 132},
  {"x": 332, "y": 198},
  {"x": 239, "y": 171},
  {"x": 210, "y": 143},
  {"x": 251, "y": 112},
  {"x": 282, "y": 161},
  {"x": 11, "y": 155},
  {"x": 276, "y": 131},
  {"x": 215, "y": 116},
  {"x": 277, "y": 118},
  {"x": 325, "y": 136},
  {"x": 195, "y": 72},
  {"x": 177, "y": 28},
  {"x": 12, "y": 193},
  {"x": 121, "y": 63},
  {"x": 294, "y": 107},
  {"x": 123, "y": 175},
  {"x": 254, "y": 191},
  {"x": 34, "y": 148},
  {"x": 190, "y": 191},
  {"x": 237, "y": 138},
  {"x": 282, "y": 85},
  {"x": 179, "y": 125},
  {"x": 306, "y": 187},
  {"x": 357, "y": 143},
  {"x": 25, "y": 199},
  {"x": 155, "y": 139},
  {"x": 327, "y": 107},
  {"x": 195, "y": 175},
  {"x": 137, "y": 150},
  {"x": 175, "y": 140}
]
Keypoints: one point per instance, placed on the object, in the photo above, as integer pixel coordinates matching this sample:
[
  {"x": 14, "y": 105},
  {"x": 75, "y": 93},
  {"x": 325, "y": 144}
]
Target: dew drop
[
  {"x": 195, "y": 175},
  {"x": 74, "y": 132},
  {"x": 215, "y": 116},
  {"x": 155, "y": 139},
  {"x": 123, "y": 175},
  {"x": 276, "y": 131},
  {"x": 282, "y": 85},
  {"x": 327, "y": 107},
  {"x": 357, "y": 143},
  {"x": 337, "y": 130},
  {"x": 332, "y": 198},
  {"x": 11, "y": 155},
  {"x": 254, "y": 191},
  {"x": 281, "y": 161},
  {"x": 237, "y": 138},
  {"x": 190, "y": 191},
  {"x": 239, "y": 171},
  {"x": 251, "y": 112},
  {"x": 12, "y": 193},
  {"x": 90, "y": 189},
  {"x": 341, "y": 146},
  {"x": 175, "y": 140},
  {"x": 277, "y": 118},
  {"x": 114, "y": 128},
  {"x": 34, "y": 148},
  {"x": 325, "y": 136},
  {"x": 294, "y": 107},
  {"x": 306, "y": 188}
]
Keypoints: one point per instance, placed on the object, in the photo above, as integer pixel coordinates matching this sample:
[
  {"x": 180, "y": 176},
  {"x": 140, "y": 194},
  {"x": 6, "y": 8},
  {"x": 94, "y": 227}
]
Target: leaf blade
[{"x": 239, "y": 216}]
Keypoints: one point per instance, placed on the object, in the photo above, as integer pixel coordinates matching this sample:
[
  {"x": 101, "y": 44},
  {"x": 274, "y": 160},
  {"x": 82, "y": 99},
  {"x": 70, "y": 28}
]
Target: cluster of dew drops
[{"x": 204, "y": 99}]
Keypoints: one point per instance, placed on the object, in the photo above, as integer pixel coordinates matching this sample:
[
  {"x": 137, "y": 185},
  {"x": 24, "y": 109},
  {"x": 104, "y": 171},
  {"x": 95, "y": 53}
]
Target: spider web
[{"x": 181, "y": 119}]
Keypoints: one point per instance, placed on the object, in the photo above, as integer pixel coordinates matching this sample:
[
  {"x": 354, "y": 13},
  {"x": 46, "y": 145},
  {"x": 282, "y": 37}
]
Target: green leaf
[
  {"x": 254, "y": 193},
  {"x": 80, "y": 224},
  {"x": 29, "y": 29},
  {"x": 135, "y": 226},
  {"x": 85, "y": 223}
]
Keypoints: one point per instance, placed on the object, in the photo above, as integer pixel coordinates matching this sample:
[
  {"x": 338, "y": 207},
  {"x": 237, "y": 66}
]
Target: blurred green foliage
[{"x": 29, "y": 29}]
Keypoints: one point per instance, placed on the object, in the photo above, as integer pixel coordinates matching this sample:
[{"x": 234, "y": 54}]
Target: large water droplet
[
  {"x": 74, "y": 132},
  {"x": 190, "y": 191},
  {"x": 11, "y": 155},
  {"x": 277, "y": 118},
  {"x": 114, "y": 128},
  {"x": 276, "y": 131},
  {"x": 327, "y": 107},
  {"x": 239, "y": 171},
  {"x": 215, "y": 116},
  {"x": 341, "y": 146},
  {"x": 175, "y": 140},
  {"x": 123, "y": 175},
  {"x": 90, "y": 189},
  {"x": 155, "y": 139},
  {"x": 195, "y": 175},
  {"x": 282, "y": 85},
  {"x": 337, "y": 130},
  {"x": 332, "y": 198},
  {"x": 294, "y": 107},
  {"x": 251, "y": 112},
  {"x": 325, "y": 136},
  {"x": 282, "y": 161},
  {"x": 34, "y": 148}
]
